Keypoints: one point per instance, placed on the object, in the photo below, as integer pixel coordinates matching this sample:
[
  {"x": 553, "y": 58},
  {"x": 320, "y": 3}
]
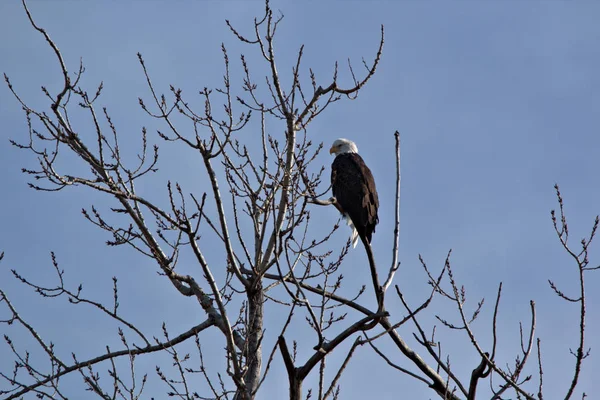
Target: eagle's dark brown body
[{"x": 353, "y": 187}]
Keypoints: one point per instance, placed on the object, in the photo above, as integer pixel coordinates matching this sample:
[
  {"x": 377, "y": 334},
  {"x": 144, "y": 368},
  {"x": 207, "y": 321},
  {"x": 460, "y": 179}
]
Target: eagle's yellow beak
[{"x": 332, "y": 150}]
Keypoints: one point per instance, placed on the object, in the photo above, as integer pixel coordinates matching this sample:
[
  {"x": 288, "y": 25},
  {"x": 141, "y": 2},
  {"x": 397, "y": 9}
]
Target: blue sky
[{"x": 496, "y": 102}]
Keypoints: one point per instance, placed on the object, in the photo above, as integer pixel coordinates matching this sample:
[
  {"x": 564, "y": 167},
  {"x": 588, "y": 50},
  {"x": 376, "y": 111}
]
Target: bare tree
[{"x": 258, "y": 206}]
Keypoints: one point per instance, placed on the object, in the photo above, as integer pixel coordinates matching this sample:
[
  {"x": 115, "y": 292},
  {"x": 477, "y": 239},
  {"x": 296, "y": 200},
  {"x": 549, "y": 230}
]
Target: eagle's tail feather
[{"x": 354, "y": 236}]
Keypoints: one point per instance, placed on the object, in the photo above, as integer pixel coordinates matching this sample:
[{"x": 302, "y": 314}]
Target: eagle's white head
[{"x": 341, "y": 146}]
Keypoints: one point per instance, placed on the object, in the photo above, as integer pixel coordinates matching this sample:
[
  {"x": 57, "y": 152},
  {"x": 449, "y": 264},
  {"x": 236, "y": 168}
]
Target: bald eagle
[{"x": 354, "y": 189}]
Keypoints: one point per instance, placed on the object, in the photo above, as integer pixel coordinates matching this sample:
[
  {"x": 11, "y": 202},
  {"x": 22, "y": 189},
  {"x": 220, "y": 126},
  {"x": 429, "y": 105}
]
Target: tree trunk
[
  {"x": 295, "y": 387},
  {"x": 255, "y": 331}
]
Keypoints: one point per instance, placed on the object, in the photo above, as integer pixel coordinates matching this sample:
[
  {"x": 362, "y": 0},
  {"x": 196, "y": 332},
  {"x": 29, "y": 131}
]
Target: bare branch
[{"x": 109, "y": 356}]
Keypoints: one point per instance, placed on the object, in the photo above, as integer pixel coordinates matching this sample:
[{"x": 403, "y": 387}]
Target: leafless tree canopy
[{"x": 258, "y": 206}]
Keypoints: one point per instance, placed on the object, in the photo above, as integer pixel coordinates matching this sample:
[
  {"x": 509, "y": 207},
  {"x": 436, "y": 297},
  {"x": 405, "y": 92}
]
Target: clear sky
[{"x": 496, "y": 102}]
